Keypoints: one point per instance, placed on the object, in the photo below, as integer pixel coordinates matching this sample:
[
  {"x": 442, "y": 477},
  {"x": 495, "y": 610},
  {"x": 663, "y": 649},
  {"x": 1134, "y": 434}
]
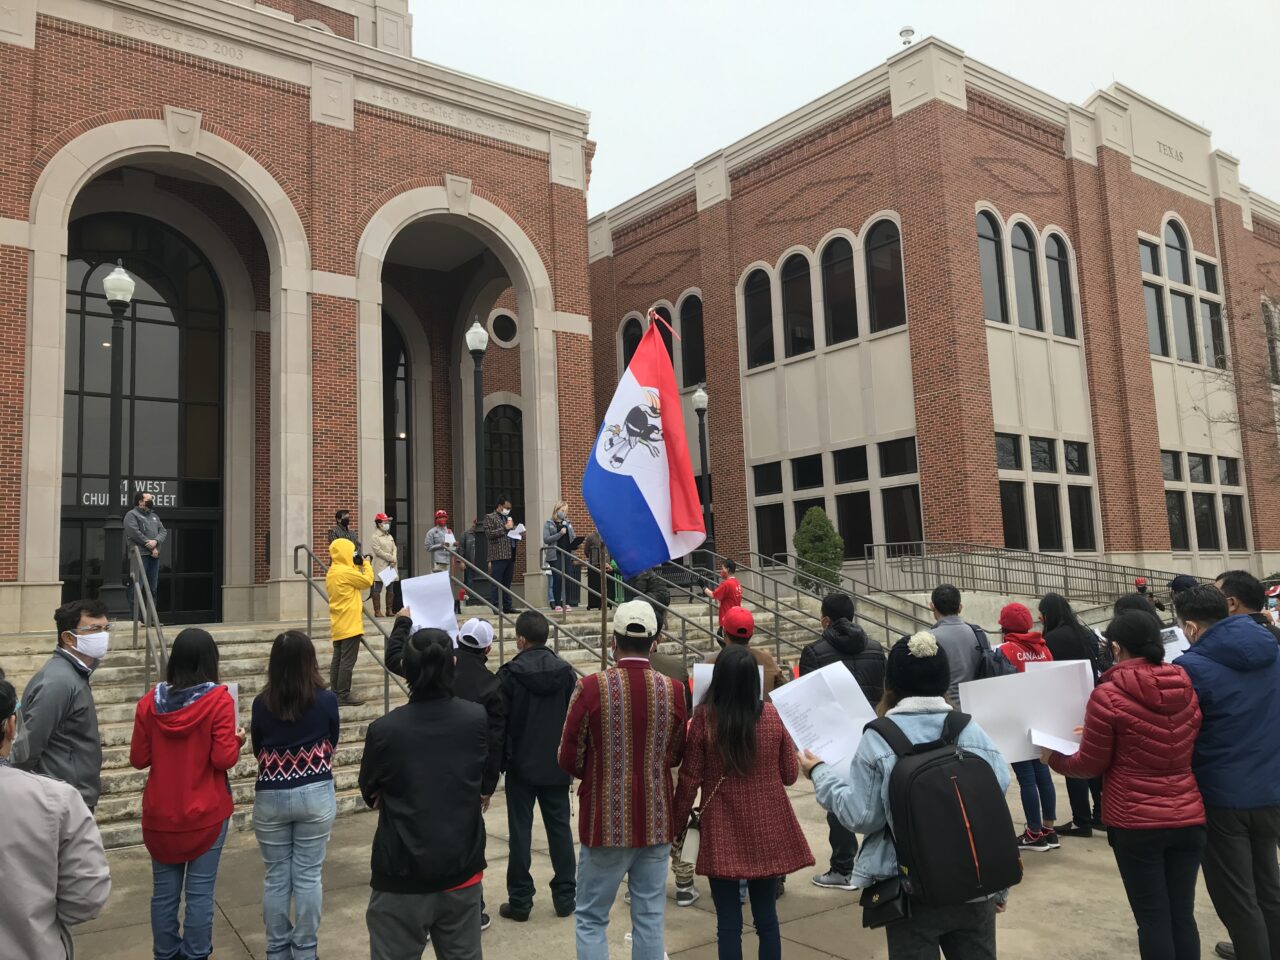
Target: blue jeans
[
  {"x": 151, "y": 567},
  {"x": 169, "y": 880},
  {"x": 764, "y": 913},
  {"x": 1039, "y": 801},
  {"x": 292, "y": 827},
  {"x": 600, "y": 872}
]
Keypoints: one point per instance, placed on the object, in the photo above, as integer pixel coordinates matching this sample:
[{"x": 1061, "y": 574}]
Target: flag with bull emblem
[{"x": 638, "y": 483}]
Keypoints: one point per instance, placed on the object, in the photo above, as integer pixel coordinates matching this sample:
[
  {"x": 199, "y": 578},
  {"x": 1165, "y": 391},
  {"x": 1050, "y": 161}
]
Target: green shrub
[{"x": 820, "y": 551}]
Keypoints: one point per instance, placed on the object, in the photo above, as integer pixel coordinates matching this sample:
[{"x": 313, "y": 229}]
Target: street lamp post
[
  {"x": 477, "y": 342},
  {"x": 118, "y": 287},
  {"x": 704, "y": 478}
]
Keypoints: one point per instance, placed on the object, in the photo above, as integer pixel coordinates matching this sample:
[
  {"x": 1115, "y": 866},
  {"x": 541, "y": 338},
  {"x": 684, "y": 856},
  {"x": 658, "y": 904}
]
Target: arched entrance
[
  {"x": 397, "y": 440},
  {"x": 173, "y": 407}
]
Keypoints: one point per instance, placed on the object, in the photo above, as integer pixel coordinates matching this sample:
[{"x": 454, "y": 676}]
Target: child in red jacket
[{"x": 185, "y": 731}]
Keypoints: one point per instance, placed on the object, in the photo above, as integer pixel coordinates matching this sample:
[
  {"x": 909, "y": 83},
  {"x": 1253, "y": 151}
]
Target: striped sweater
[{"x": 299, "y": 752}]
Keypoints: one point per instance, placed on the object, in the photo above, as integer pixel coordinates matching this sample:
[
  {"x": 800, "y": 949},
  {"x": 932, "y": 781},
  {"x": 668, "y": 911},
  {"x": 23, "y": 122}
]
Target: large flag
[{"x": 638, "y": 483}]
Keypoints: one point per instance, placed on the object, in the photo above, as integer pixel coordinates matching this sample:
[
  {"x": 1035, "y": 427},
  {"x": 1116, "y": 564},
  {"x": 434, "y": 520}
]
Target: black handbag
[{"x": 885, "y": 902}]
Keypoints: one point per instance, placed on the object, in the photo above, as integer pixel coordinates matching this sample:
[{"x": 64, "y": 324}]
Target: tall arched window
[
  {"x": 1061, "y": 305},
  {"x": 886, "y": 295},
  {"x": 757, "y": 300},
  {"x": 797, "y": 306},
  {"x": 664, "y": 329},
  {"x": 1026, "y": 279},
  {"x": 1175, "y": 253},
  {"x": 693, "y": 351},
  {"x": 839, "y": 297},
  {"x": 991, "y": 263},
  {"x": 632, "y": 332},
  {"x": 397, "y": 431},
  {"x": 504, "y": 457}
]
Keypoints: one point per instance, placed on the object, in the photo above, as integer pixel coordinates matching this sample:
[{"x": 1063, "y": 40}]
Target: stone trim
[
  {"x": 332, "y": 97},
  {"x": 575, "y": 323},
  {"x": 328, "y": 284},
  {"x": 14, "y": 233},
  {"x": 18, "y": 23}
]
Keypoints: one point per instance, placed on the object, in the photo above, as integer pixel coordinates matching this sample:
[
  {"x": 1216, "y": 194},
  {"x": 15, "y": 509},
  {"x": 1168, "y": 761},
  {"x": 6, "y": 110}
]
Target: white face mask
[
  {"x": 384, "y": 527},
  {"x": 503, "y": 512},
  {"x": 93, "y": 645}
]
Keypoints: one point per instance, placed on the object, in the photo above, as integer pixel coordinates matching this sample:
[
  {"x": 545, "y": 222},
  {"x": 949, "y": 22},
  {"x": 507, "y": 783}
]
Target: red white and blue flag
[{"x": 638, "y": 483}]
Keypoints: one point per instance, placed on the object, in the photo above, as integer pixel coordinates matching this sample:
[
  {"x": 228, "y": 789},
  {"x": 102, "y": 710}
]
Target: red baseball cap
[
  {"x": 1274, "y": 591},
  {"x": 1140, "y": 582},
  {"x": 381, "y": 517},
  {"x": 442, "y": 513},
  {"x": 738, "y": 623}
]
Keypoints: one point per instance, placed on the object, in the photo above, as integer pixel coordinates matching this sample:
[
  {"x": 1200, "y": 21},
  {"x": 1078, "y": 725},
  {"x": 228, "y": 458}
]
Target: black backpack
[
  {"x": 952, "y": 828},
  {"x": 991, "y": 663}
]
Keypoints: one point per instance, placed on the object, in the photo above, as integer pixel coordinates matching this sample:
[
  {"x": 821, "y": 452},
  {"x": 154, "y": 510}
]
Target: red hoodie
[
  {"x": 189, "y": 744},
  {"x": 1022, "y": 645}
]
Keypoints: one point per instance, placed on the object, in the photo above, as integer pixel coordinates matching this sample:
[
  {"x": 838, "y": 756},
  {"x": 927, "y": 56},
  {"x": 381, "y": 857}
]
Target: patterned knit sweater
[{"x": 299, "y": 752}]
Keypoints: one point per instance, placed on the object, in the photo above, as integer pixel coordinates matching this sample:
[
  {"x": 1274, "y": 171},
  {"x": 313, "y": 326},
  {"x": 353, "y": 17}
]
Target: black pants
[
  {"x": 1086, "y": 800},
  {"x": 1243, "y": 880},
  {"x": 1159, "y": 869},
  {"x": 554, "y": 803},
  {"x": 503, "y": 571},
  {"x": 966, "y": 931},
  {"x": 844, "y": 845},
  {"x": 343, "y": 665},
  {"x": 764, "y": 914},
  {"x": 593, "y": 589}
]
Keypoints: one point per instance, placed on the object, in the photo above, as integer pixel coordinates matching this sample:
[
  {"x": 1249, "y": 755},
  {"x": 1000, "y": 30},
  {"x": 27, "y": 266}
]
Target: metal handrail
[
  {"x": 146, "y": 603},
  {"x": 857, "y": 586},
  {"x": 387, "y": 674}
]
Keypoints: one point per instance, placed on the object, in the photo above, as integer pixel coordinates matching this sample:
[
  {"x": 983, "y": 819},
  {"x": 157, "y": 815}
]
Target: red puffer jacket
[{"x": 1139, "y": 730}]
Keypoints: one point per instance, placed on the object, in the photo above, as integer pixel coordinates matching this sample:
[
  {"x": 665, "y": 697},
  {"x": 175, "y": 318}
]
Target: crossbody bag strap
[{"x": 711, "y": 796}]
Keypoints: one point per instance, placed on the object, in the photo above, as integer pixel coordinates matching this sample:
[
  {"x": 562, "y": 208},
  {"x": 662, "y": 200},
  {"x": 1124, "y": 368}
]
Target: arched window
[
  {"x": 1175, "y": 253},
  {"x": 839, "y": 297},
  {"x": 797, "y": 306},
  {"x": 886, "y": 295},
  {"x": 1061, "y": 305},
  {"x": 664, "y": 329},
  {"x": 1026, "y": 279},
  {"x": 693, "y": 352},
  {"x": 991, "y": 263},
  {"x": 632, "y": 332},
  {"x": 504, "y": 457},
  {"x": 397, "y": 434},
  {"x": 757, "y": 299}
]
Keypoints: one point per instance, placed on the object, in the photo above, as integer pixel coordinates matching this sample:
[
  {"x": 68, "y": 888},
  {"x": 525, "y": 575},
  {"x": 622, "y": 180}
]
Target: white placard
[
  {"x": 702, "y": 680},
  {"x": 1050, "y": 698},
  {"x": 389, "y": 576},
  {"x": 825, "y": 712},
  {"x": 1048, "y": 741},
  {"x": 1175, "y": 643},
  {"x": 233, "y": 688},
  {"x": 430, "y": 602},
  {"x": 449, "y": 538},
  {"x": 516, "y": 532}
]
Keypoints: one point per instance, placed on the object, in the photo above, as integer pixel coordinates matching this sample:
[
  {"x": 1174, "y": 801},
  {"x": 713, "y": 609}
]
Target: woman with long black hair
[{"x": 741, "y": 757}]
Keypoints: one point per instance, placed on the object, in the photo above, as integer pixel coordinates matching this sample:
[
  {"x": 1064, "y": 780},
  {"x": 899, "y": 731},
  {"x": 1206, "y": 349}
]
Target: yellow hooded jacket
[{"x": 346, "y": 584}]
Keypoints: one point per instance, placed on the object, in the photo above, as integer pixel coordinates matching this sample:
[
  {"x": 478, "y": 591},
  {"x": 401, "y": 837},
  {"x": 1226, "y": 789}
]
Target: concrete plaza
[{"x": 1071, "y": 906}]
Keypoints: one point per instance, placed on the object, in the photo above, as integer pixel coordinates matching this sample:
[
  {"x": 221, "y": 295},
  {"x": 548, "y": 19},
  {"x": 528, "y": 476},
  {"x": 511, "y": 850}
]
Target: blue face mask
[{"x": 560, "y": 515}]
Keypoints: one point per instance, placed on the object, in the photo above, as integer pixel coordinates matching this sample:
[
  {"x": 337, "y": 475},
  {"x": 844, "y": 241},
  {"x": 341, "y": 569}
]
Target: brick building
[
  {"x": 313, "y": 218},
  {"x": 945, "y": 306}
]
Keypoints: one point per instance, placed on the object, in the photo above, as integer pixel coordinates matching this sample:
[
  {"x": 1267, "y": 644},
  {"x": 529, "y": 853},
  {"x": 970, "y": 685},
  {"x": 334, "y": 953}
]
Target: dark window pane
[
  {"x": 1171, "y": 464},
  {"x": 850, "y": 464},
  {"x": 504, "y": 328},
  {"x": 771, "y": 530},
  {"x": 71, "y": 356},
  {"x": 757, "y": 301},
  {"x": 1150, "y": 255},
  {"x": 1061, "y": 306},
  {"x": 504, "y": 458},
  {"x": 991, "y": 265},
  {"x": 840, "y": 301},
  {"x": 1026, "y": 278},
  {"x": 1199, "y": 468},
  {"x": 1229, "y": 471},
  {"x": 1184, "y": 327},
  {"x": 97, "y": 355},
  {"x": 768, "y": 478},
  {"x": 1203, "y": 506},
  {"x": 71, "y": 434},
  {"x": 1271, "y": 323},
  {"x": 1215, "y": 345},
  {"x": 1075, "y": 456},
  {"x": 1206, "y": 276},
  {"x": 200, "y": 493},
  {"x": 898, "y": 457},
  {"x": 201, "y": 364},
  {"x": 1176, "y": 504},
  {"x": 1080, "y": 503},
  {"x": 1175, "y": 251},
  {"x": 804, "y": 506},
  {"x": 806, "y": 472},
  {"x": 157, "y": 360},
  {"x": 97, "y": 432},
  {"x": 902, "y": 523},
  {"x": 1233, "y": 520},
  {"x": 1044, "y": 458},
  {"x": 203, "y": 441},
  {"x": 194, "y": 548},
  {"x": 155, "y": 447},
  {"x": 1048, "y": 516},
  {"x": 693, "y": 351},
  {"x": 853, "y": 515},
  {"x": 1013, "y": 511},
  {"x": 664, "y": 330},
  {"x": 1157, "y": 336},
  {"x": 885, "y": 293},
  {"x": 632, "y": 332},
  {"x": 1008, "y": 451},
  {"x": 797, "y": 306}
]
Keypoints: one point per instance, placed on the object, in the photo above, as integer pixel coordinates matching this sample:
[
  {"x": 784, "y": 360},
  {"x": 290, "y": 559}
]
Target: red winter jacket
[
  {"x": 1140, "y": 729},
  {"x": 1023, "y": 648},
  {"x": 188, "y": 739}
]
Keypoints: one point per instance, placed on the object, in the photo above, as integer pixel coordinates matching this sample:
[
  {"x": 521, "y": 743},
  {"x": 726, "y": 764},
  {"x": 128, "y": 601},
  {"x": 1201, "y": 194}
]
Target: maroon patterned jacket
[{"x": 623, "y": 734}]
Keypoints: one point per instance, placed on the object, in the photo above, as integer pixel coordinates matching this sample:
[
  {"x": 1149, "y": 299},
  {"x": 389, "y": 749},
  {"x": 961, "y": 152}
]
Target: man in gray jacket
[
  {"x": 51, "y": 857},
  {"x": 58, "y": 736},
  {"x": 145, "y": 531},
  {"x": 954, "y": 636}
]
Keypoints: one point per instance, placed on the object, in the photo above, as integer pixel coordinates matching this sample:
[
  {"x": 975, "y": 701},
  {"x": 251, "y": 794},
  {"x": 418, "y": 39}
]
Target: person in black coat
[
  {"x": 473, "y": 681},
  {"x": 843, "y": 641},
  {"x": 422, "y": 769}
]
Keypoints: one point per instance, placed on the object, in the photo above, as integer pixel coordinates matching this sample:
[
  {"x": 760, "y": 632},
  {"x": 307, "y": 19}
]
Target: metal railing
[
  {"x": 314, "y": 589},
  {"x": 157, "y": 654},
  {"x": 918, "y": 612},
  {"x": 921, "y": 565}
]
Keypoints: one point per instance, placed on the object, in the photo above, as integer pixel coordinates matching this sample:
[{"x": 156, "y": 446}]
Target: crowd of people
[{"x": 1178, "y": 763}]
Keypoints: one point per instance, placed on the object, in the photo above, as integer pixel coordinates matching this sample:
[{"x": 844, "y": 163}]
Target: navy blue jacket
[{"x": 1235, "y": 668}]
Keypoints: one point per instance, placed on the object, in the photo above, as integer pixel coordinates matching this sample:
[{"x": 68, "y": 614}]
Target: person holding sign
[
  {"x": 740, "y": 757},
  {"x": 1139, "y": 732},
  {"x": 739, "y": 627},
  {"x": 385, "y": 557}
]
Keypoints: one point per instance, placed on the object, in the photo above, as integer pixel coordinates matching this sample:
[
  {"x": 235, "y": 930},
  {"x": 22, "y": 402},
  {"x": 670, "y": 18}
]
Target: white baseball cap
[
  {"x": 635, "y": 618},
  {"x": 476, "y": 633}
]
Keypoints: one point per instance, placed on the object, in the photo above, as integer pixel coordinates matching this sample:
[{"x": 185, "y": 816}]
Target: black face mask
[{"x": 344, "y": 522}]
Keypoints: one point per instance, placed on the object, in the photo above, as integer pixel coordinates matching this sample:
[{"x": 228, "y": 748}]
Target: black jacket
[
  {"x": 1263, "y": 619},
  {"x": 847, "y": 643},
  {"x": 422, "y": 767},
  {"x": 400, "y": 631},
  {"x": 1066, "y": 642},
  {"x": 537, "y": 686},
  {"x": 473, "y": 681}
]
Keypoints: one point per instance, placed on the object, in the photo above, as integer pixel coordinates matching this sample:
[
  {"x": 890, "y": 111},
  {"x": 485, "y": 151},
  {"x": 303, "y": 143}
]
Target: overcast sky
[{"x": 668, "y": 82}]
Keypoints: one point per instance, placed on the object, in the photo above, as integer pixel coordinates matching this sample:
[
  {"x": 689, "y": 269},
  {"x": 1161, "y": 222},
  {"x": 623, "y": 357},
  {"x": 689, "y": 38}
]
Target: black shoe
[
  {"x": 566, "y": 909},
  {"x": 1225, "y": 950},
  {"x": 1074, "y": 831},
  {"x": 351, "y": 700},
  {"x": 1099, "y": 825},
  {"x": 508, "y": 912},
  {"x": 781, "y": 890},
  {"x": 484, "y": 921}
]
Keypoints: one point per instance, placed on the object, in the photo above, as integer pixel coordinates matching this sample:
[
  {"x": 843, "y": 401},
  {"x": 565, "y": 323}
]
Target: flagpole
[{"x": 605, "y": 587}]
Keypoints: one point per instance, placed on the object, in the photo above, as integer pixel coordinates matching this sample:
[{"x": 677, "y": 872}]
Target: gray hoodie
[
  {"x": 58, "y": 727},
  {"x": 141, "y": 526}
]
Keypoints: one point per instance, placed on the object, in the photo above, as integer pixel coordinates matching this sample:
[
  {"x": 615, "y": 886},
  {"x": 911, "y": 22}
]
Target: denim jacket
[{"x": 860, "y": 797}]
